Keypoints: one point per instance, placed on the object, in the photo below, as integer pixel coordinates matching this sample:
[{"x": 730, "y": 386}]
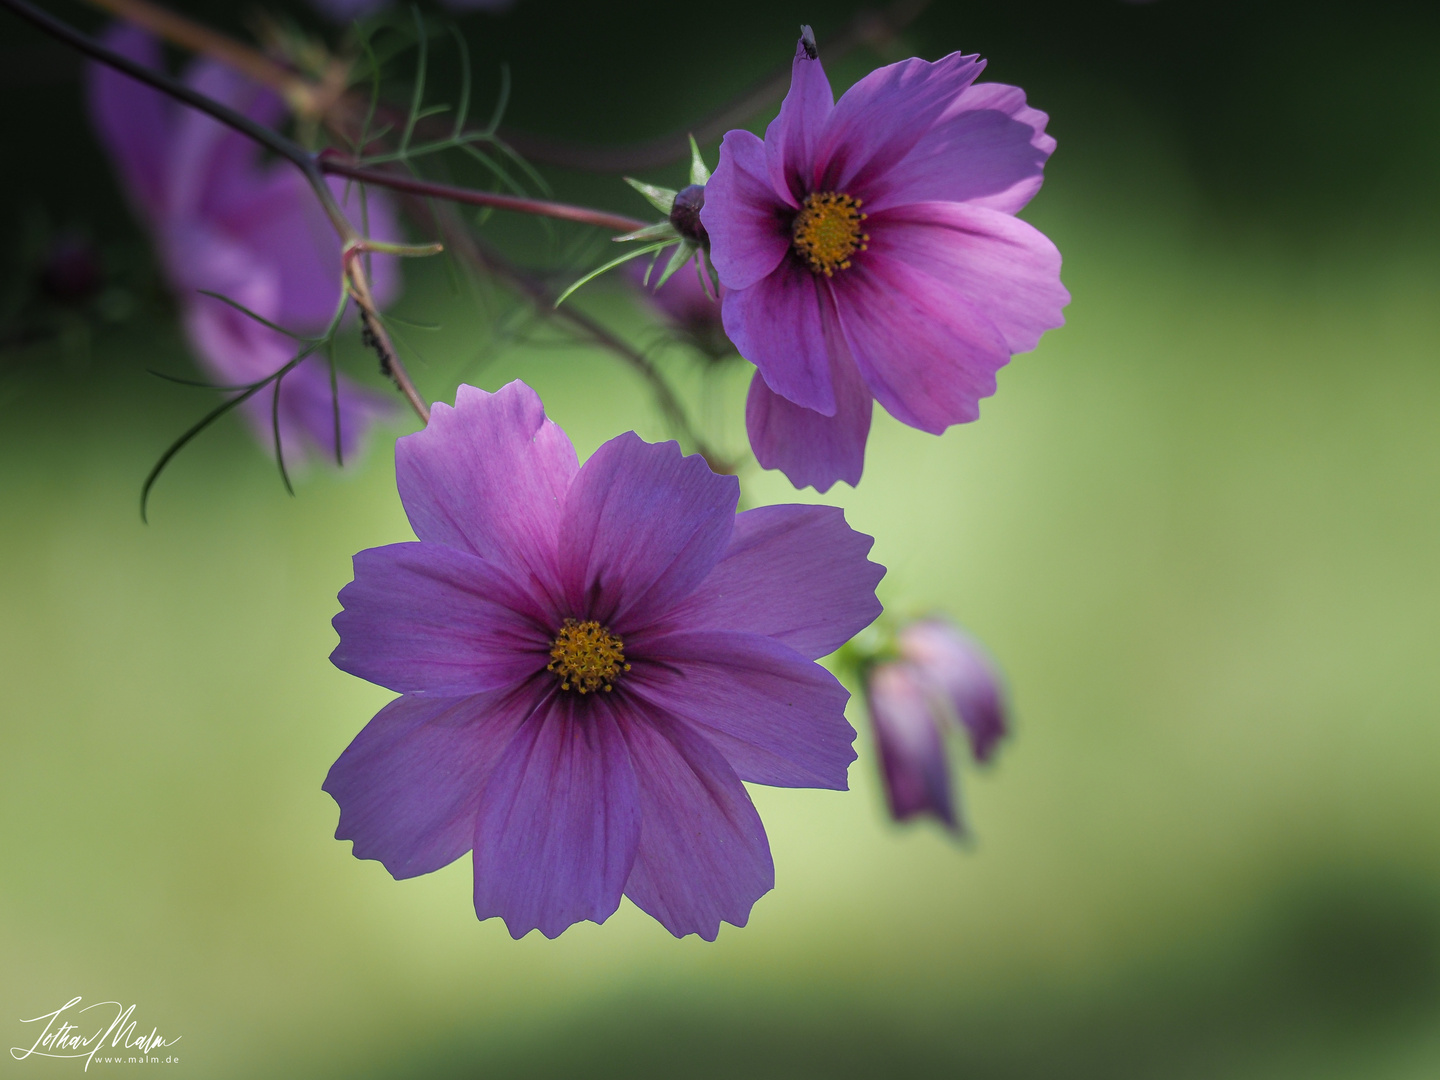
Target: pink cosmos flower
[
  {"x": 941, "y": 678},
  {"x": 254, "y": 232},
  {"x": 591, "y": 659},
  {"x": 871, "y": 252}
]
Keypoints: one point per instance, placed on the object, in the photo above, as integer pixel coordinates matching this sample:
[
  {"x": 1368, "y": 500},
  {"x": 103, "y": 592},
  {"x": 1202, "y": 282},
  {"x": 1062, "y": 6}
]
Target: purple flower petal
[
  {"x": 924, "y": 351},
  {"x": 988, "y": 150},
  {"x": 750, "y": 233},
  {"x": 797, "y": 574},
  {"x": 703, "y": 857},
  {"x": 490, "y": 476},
  {"x": 409, "y": 784},
  {"x": 425, "y": 617},
  {"x": 775, "y": 716},
  {"x": 643, "y": 525},
  {"x": 880, "y": 119},
  {"x": 131, "y": 119},
  {"x": 912, "y": 754},
  {"x": 785, "y": 325},
  {"x": 793, "y": 135},
  {"x": 559, "y": 821},
  {"x": 811, "y": 449},
  {"x": 997, "y": 263},
  {"x": 960, "y": 668}
]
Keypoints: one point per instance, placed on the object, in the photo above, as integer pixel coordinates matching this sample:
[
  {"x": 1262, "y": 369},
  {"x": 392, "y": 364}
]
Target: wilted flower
[
  {"x": 225, "y": 222},
  {"x": 590, "y": 661},
  {"x": 941, "y": 678},
  {"x": 871, "y": 252}
]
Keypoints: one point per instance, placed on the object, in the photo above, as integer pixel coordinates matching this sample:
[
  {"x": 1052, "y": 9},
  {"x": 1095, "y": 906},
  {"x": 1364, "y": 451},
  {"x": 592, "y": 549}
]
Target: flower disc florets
[
  {"x": 827, "y": 231},
  {"x": 586, "y": 657}
]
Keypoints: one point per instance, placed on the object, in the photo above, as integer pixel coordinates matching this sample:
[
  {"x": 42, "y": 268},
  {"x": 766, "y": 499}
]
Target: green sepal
[
  {"x": 663, "y": 199},
  {"x": 699, "y": 171},
  {"x": 682, "y": 255},
  {"x": 663, "y": 231}
]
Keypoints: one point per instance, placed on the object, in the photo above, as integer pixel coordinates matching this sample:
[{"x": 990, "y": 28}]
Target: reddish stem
[{"x": 330, "y": 162}]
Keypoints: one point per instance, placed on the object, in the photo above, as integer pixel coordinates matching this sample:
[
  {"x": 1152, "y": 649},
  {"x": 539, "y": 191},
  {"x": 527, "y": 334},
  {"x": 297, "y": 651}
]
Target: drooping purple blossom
[
  {"x": 941, "y": 678},
  {"x": 591, "y": 659},
  {"x": 871, "y": 252},
  {"x": 226, "y": 222}
]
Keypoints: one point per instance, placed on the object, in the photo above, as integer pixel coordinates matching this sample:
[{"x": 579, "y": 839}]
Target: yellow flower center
[
  {"x": 586, "y": 657},
  {"x": 827, "y": 231}
]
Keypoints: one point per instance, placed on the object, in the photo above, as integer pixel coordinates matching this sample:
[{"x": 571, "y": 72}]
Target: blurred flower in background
[
  {"x": 345, "y": 10},
  {"x": 939, "y": 678},
  {"x": 917, "y": 299},
  {"x": 684, "y": 305},
  {"x": 225, "y": 222}
]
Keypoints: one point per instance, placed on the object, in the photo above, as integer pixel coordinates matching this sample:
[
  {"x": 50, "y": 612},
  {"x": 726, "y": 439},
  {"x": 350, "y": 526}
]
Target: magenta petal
[
  {"x": 879, "y": 120},
  {"x": 811, "y": 449},
  {"x": 988, "y": 150},
  {"x": 703, "y": 857},
  {"x": 785, "y": 325},
  {"x": 409, "y": 784},
  {"x": 643, "y": 525},
  {"x": 797, "y": 574},
  {"x": 559, "y": 822},
  {"x": 425, "y": 617},
  {"x": 777, "y": 717},
  {"x": 999, "y": 264},
  {"x": 748, "y": 223},
  {"x": 925, "y": 352},
  {"x": 793, "y": 135},
  {"x": 490, "y": 477},
  {"x": 912, "y": 753},
  {"x": 132, "y": 120}
]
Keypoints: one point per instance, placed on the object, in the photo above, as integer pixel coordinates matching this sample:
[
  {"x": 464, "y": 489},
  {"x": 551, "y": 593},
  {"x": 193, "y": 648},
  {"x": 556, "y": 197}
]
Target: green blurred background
[{"x": 1198, "y": 526}]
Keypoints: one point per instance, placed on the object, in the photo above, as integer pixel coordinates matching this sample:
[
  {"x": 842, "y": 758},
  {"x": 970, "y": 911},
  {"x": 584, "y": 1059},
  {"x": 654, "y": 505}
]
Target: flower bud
[{"x": 685, "y": 214}]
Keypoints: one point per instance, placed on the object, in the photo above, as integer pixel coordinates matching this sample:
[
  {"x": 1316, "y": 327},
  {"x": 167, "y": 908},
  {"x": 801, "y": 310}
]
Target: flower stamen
[
  {"x": 586, "y": 657},
  {"x": 826, "y": 231}
]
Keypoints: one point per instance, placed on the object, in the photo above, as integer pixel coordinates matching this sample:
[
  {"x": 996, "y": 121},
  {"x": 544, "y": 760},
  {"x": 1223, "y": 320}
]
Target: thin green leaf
[
  {"x": 417, "y": 96},
  {"x": 502, "y": 102},
  {"x": 610, "y": 266},
  {"x": 335, "y": 401},
  {"x": 258, "y": 318},
  {"x": 462, "y": 108},
  {"x": 275, "y": 426}
]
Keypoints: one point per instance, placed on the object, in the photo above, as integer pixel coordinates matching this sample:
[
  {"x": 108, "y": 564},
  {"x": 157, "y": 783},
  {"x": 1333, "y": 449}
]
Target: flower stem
[{"x": 331, "y": 162}]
